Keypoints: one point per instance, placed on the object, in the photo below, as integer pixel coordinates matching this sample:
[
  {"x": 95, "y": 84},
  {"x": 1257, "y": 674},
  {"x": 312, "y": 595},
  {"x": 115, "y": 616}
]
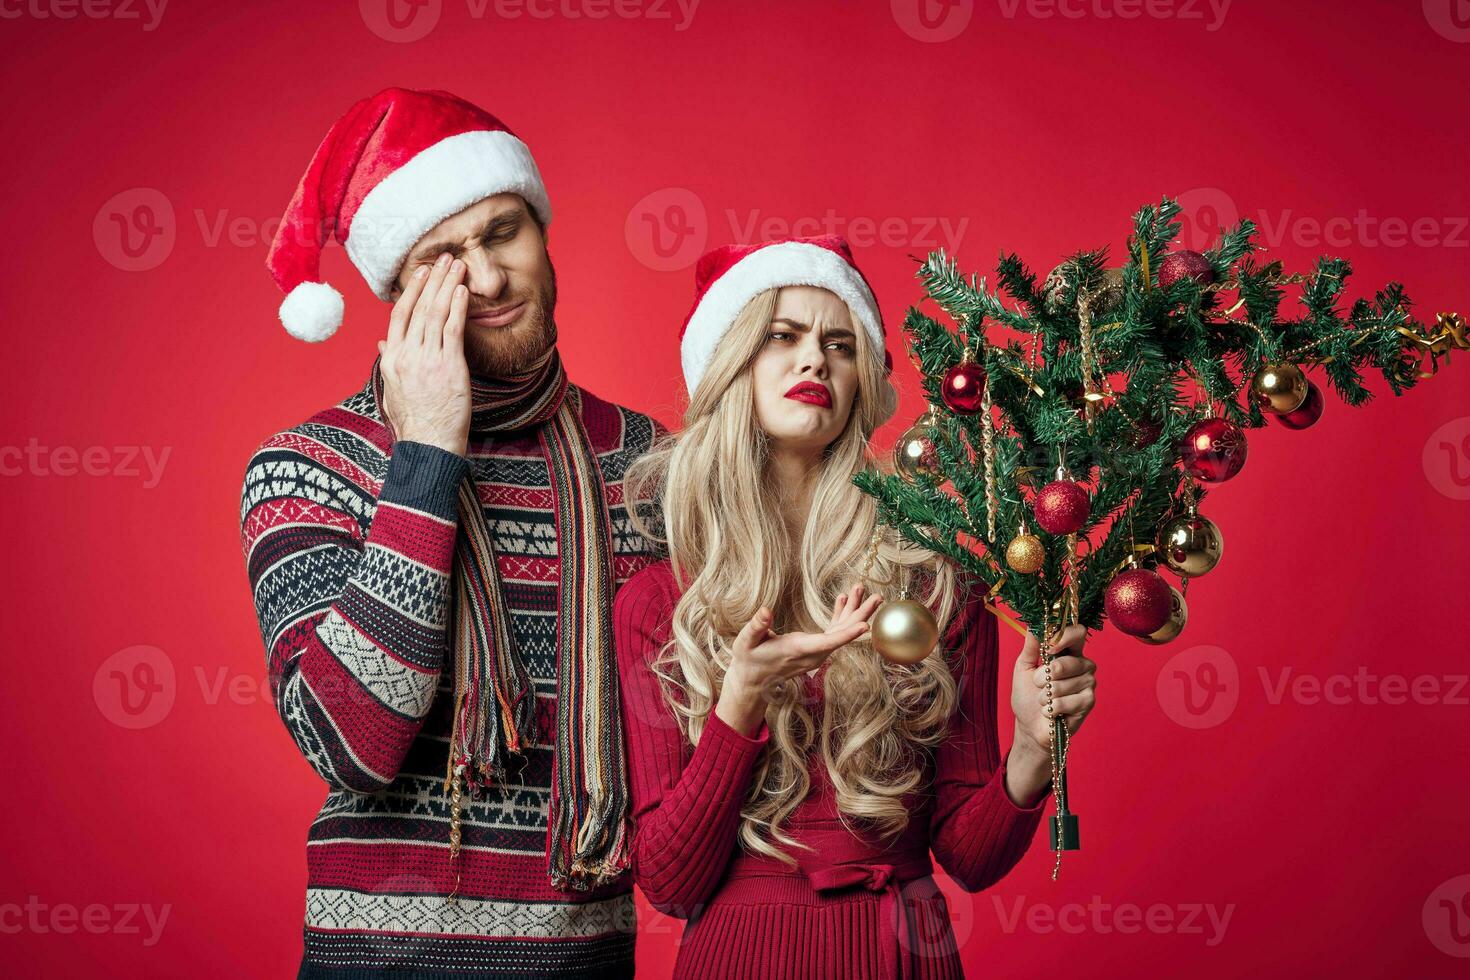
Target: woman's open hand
[{"x": 761, "y": 658}]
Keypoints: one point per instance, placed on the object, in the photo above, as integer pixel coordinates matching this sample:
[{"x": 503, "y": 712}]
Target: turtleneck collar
[{"x": 520, "y": 401}]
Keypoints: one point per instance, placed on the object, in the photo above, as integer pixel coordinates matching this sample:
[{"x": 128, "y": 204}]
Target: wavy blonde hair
[{"x": 704, "y": 492}]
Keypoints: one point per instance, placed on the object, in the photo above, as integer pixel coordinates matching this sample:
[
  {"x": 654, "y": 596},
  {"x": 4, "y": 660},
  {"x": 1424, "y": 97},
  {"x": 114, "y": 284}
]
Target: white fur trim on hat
[
  {"x": 784, "y": 264},
  {"x": 312, "y": 311},
  {"x": 439, "y": 181}
]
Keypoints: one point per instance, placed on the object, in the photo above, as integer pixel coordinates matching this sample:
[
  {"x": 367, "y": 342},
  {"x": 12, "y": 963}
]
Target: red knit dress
[{"x": 852, "y": 908}]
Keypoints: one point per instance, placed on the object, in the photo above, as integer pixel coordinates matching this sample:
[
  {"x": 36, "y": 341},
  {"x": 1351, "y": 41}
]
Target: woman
[{"x": 787, "y": 783}]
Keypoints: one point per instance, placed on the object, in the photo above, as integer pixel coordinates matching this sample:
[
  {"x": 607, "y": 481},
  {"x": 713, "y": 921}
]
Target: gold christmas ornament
[
  {"x": 1178, "y": 617},
  {"x": 1279, "y": 388},
  {"x": 1025, "y": 553},
  {"x": 914, "y": 454},
  {"x": 904, "y": 631},
  {"x": 1190, "y": 544}
]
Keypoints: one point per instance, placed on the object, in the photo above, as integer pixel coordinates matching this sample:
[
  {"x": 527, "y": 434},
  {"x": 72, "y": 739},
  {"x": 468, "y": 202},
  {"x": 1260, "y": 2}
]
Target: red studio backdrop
[{"x": 1280, "y": 792}]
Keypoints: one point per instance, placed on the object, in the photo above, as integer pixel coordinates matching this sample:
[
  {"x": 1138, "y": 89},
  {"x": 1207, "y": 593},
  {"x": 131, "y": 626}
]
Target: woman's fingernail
[{"x": 421, "y": 271}]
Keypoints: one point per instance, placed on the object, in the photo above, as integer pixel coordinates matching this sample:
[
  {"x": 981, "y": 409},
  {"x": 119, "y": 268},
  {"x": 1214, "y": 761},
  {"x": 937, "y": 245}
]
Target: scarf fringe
[{"x": 494, "y": 708}]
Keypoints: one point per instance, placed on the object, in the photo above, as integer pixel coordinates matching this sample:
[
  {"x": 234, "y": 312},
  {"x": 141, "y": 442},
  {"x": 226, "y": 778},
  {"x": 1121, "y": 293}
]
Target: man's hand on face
[{"x": 426, "y": 381}]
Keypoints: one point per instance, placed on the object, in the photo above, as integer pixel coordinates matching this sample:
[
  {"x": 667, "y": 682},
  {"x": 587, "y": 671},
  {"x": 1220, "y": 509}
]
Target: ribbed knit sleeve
[
  {"x": 685, "y": 801},
  {"x": 977, "y": 833},
  {"x": 355, "y": 625}
]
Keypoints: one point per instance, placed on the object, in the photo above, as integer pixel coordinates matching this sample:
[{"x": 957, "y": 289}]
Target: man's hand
[{"x": 426, "y": 381}]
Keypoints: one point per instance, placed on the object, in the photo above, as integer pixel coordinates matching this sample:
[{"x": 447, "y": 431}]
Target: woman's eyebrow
[{"x": 842, "y": 332}]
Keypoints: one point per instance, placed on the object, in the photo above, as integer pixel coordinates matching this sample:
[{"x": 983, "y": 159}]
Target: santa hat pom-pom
[{"x": 312, "y": 311}]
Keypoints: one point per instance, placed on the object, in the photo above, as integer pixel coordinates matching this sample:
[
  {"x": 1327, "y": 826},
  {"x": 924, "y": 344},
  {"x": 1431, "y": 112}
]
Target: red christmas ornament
[
  {"x": 1062, "y": 507},
  {"x": 1213, "y": 450},
  {"x": 1145, "y": 433},
  {"x": 1185, "y": 264},
  {"x": 1307, "y": 415},
  {"x": 1138, "y": 601},
  {"x": 963, "y": 389}
]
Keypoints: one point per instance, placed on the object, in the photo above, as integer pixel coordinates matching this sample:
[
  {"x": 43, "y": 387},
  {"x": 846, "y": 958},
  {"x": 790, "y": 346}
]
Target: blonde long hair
[{"x": 704, "y": 492}]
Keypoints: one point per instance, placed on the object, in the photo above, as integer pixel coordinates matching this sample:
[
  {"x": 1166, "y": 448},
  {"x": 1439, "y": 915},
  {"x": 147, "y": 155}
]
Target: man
[{"x": 433, "y": 562}]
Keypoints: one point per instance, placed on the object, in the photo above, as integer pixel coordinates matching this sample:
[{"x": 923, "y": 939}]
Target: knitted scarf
[{"x": 494, "y": 702}]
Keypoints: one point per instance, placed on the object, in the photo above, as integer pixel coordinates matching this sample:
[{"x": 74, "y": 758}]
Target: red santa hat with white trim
[
  {"x": 728, "y": 277},
  {"x": 394, "y": 166}
]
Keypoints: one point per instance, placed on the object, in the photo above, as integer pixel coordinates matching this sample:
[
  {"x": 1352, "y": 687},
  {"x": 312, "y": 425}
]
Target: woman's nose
[{"x": 812, "y": 360}]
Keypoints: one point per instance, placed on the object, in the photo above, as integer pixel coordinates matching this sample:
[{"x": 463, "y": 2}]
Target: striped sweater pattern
[{"x": 349, "y": 543}]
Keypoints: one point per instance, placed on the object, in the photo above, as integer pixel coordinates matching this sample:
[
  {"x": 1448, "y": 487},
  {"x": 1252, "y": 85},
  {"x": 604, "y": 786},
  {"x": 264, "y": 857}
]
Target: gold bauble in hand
[{"x": 904, "y": 631}]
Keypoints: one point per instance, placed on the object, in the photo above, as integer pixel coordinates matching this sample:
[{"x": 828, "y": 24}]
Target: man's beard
[{"x": 501, "y": 352}]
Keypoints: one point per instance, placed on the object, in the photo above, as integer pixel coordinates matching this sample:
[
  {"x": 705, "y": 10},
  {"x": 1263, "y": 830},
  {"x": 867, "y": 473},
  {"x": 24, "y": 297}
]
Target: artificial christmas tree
[{"x": 1068, "y": 433}]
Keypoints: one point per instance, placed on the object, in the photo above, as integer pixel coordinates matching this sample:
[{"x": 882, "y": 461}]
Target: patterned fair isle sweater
[{"x": 349, "y": 544}]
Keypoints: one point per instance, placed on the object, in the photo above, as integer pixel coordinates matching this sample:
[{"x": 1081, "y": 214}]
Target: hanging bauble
[
  {"x": 1307, "y": 415},
  {"x": 1213, "y": 450},
  {"x": 1145, "y": 433},
  {"x": 1137, "y": 601},
  {"x": 904, "y": 631},
  {"x": 1279, "y": 388},
  {"x": 1026, "y": 554},
  {"x": 1053, "y": 291},
  {"x": 1185, "y": 264},
  {"x": 1174, "y": 625},
  {"x": 1190, "y": 544},
  {"x": 1106, "y": 295},
  {"x": 1062, "y": 506},
  {"x": 1030, "y": 477},
  {"x": 963, "y": 387},
  {"x": 914, "y": 454}
]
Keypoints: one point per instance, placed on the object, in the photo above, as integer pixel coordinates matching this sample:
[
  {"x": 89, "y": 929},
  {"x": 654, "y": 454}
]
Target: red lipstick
[{"x": 812, "y": 393}]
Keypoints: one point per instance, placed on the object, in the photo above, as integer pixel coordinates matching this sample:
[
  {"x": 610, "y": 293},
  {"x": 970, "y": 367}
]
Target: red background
[{"x": 1331, "y": 832}]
